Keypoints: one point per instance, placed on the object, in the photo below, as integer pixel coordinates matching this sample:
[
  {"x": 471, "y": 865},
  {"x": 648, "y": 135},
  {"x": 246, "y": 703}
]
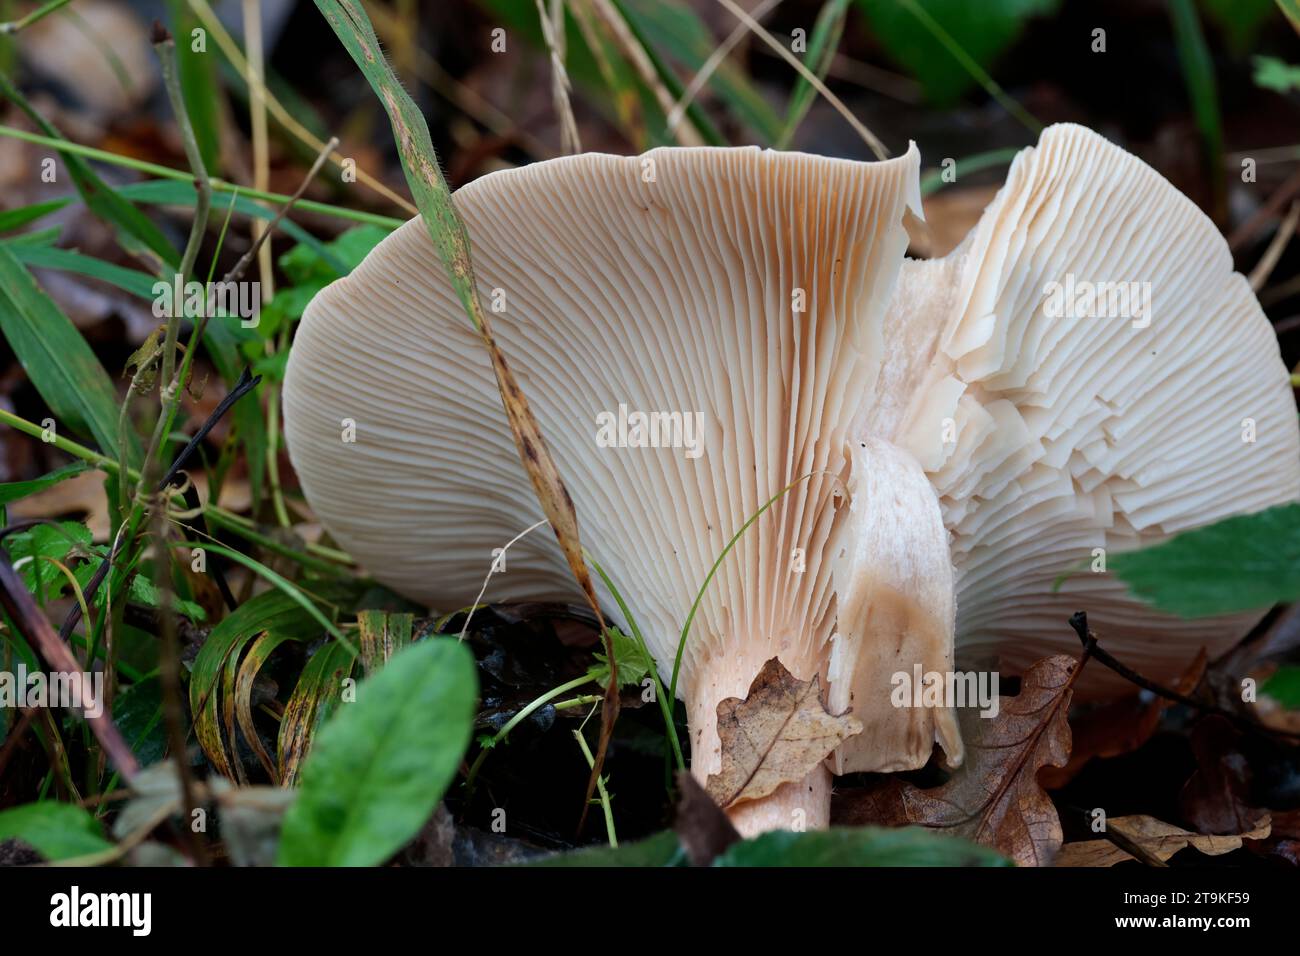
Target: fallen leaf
[
  {"x": 1118, "y": 728},
  {"x": 1215, "y": 798},
  {"x": 1151, "y": 841},
  {"x": 994, "y": 798},
  {"x": 701, "y": 825},
  {"x": 776, "y": 735}
]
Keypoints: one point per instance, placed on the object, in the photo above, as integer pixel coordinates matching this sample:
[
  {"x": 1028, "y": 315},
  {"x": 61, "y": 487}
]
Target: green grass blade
[
  {"x": 57, "y": 359},
  {"x": 135, "y": 230},
  {"x": 825, "y": 39}
]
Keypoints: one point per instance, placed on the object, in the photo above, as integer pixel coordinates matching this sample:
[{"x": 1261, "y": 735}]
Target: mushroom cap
[
  {"x": 742, "y": 287},
  {"x": 1094, "y": 432},
  {"x": 667, "y": 283}
]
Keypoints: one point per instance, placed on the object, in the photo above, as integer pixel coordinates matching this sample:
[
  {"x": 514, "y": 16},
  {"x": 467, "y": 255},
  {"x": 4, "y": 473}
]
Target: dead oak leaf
[
  {"x": 994, "y": 798},
  {"x": 1152, "y": 841},
  {"x": 776, "y": 735}
]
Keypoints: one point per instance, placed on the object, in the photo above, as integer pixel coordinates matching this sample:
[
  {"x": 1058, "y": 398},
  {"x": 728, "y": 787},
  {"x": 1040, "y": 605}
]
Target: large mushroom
[{"x": 952, "y": 443}]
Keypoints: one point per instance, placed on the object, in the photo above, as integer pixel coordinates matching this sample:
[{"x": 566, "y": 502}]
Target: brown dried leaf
[
  {"x": 1216, "y": 797},
  {"x": 703, "y": 828},
  {"x": 1118, "y": 728},
  {"x": 994, "y": 798},
  {"x": 778, "y": 734},
  {"x": 1152, "y": 841}
]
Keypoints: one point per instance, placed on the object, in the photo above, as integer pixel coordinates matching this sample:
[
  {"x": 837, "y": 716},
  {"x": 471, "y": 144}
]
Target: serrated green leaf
[
  {"x": 634, "y": 664},
  {"x": 29, "y": 549},
  {"x": 1244, "y": 563},
  {"x": 380, "y": 765}
]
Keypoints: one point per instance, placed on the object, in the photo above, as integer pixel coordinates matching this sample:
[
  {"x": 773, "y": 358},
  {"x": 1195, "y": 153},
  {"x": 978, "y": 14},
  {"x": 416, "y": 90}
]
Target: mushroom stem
[
  {"x": 895, "y": 610},
  {"x": 805, "y": 804}
]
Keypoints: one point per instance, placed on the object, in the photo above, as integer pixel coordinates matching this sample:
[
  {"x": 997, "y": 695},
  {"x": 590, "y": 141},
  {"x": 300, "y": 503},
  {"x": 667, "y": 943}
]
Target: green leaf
[
  {"x": 269, "y": 611},
  {"x": 135, "y": 230},
  {"x": 676, "y": 31},
  {"x": 200, "y": 87},
  {"x": 983, "y": 30},
  {"x": 826, "y": 35},
  {"x": 16, "y": 218},
  {"x": 315, "y": 696},
  {"x": 858, "y": 846},
  {"x": 58, "y": 831},
  {"x": 1240, "y": 20},
  {"x": 1243, "y": 563},
  {"x": 137, "y": 711},
  {"x": 14, "y": 490},
  {"x": 137, "y": 283},
  {"x": 56, "y": 358},
  {"x": 29, "y": 549},
  {"x": 634, "y": 663},
  {"x": 381, "y": 764},
  {"x": 662, "y": 849},
  {"x": 143, "y": 591},
  {"x": 1284, "y": 686},
  {"x": 1274, "y": 74}
]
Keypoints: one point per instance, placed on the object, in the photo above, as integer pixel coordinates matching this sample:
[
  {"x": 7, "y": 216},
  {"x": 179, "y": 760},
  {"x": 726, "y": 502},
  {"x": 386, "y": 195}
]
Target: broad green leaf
[
  {"x": 983, "y": 30},
  {"x": 29, "y": 549},
  {"x": 58, "y": 831},
  {"x": 662, "y": 849},
  {"x": 137, "y": 711},
  {"x": 381, "y": 764},
  {"x": 1243, "y": 563},
  {"x": 858, "y": 846},
  {"x": 56, "y": 358},
  {"x": 1284, "y": 686},
  {"x": 14, "y": 490}
]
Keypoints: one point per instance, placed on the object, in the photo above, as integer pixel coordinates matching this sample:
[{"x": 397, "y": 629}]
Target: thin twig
[
  {"x": 686, "y": 134},
  {"x": 1264, "y": 268},
  {"x": 169, "y": 672},
  {"x": 1079, "y": 621},
  {"x": 14, "y": 26},
  {"x": 231, "y": 49},
  {"x": 552, "y": 22},
  {"x": 710, "y": 66},
  {"x": 39, "y": 633}
]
